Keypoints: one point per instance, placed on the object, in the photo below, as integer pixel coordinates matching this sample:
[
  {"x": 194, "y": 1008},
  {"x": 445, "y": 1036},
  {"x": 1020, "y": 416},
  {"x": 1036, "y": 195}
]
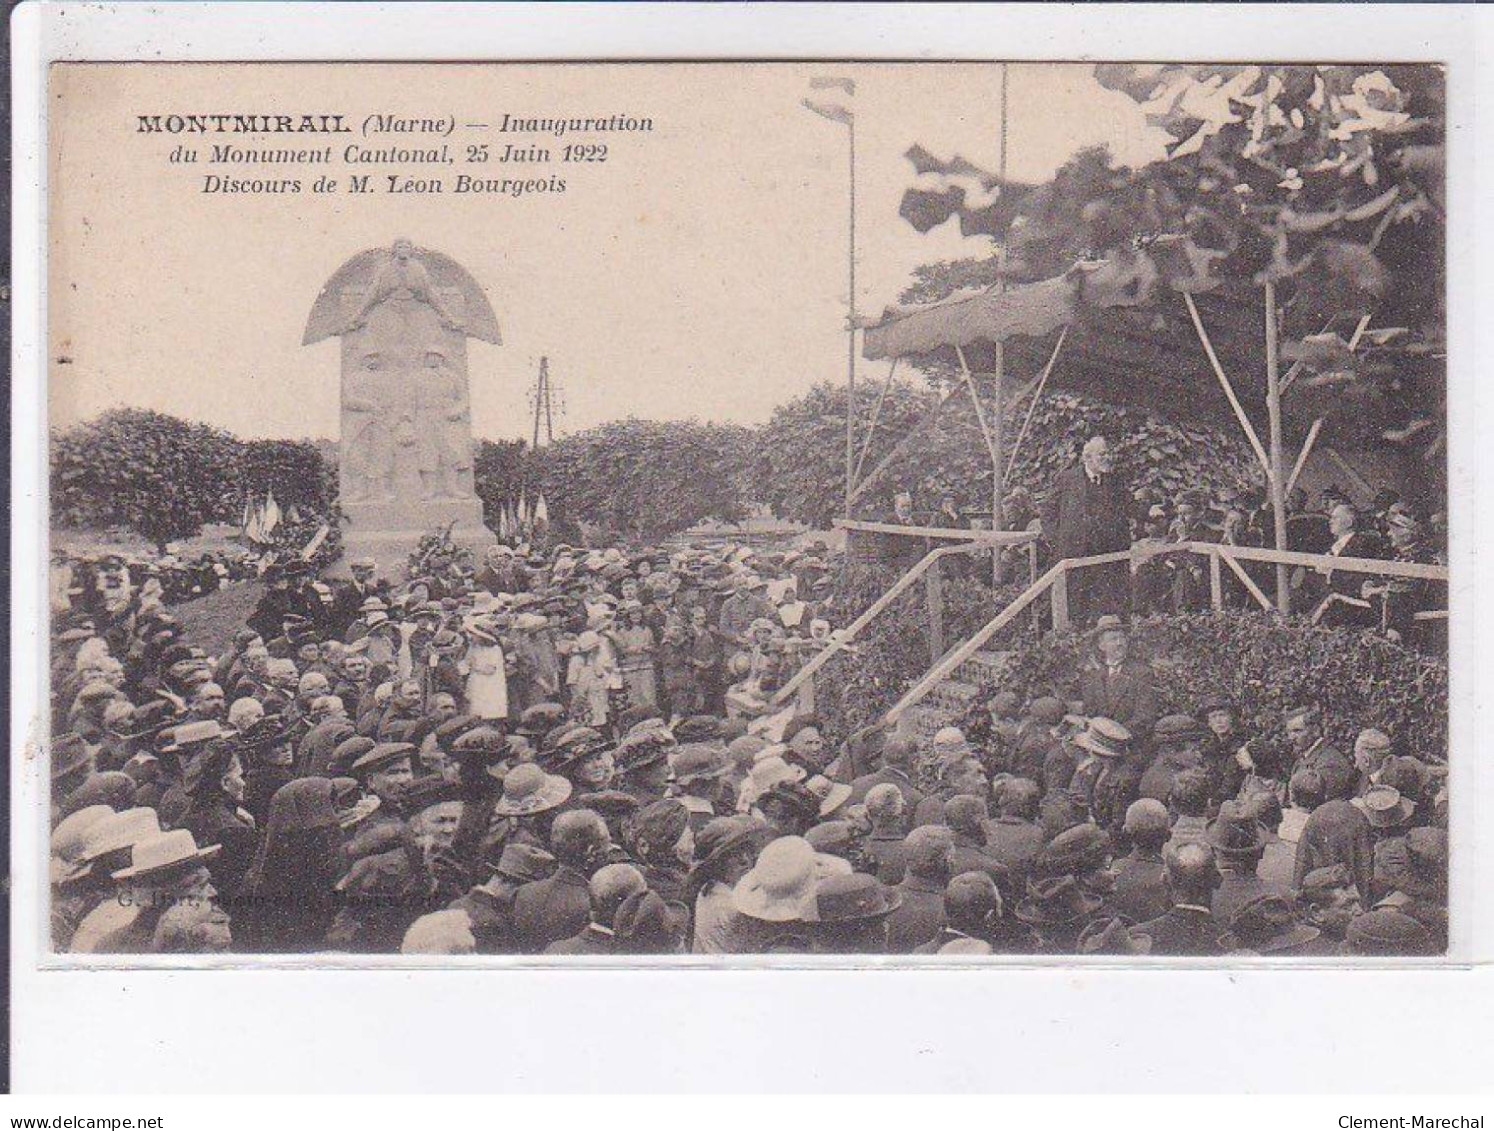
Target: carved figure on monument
[
  {"x": 402, "y": 273},
  {"x": 403, "y": 315}
]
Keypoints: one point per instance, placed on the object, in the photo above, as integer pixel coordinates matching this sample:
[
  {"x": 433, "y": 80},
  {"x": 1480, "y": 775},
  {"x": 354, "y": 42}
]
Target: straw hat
[
  {"x": 1105, "y": 738},
  {"x": 780, "y": 888},
  {"x": 165, "y": 852},
  {"x": 123, "y": 830},
  {"x": 528, "y": 790}
]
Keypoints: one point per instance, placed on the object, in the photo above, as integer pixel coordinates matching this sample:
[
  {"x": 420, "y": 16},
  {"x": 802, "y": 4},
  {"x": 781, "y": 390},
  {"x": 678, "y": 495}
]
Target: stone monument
[{"x": 404, "y": 315}]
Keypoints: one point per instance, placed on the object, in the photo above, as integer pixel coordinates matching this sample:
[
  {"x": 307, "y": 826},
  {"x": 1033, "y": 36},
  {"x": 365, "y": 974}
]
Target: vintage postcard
[{"x": 688, "y": 512}]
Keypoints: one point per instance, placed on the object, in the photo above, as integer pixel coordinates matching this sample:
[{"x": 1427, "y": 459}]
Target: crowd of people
[
  {"x": 577, "y": 752},
  {"x": 104, "y": 583}
]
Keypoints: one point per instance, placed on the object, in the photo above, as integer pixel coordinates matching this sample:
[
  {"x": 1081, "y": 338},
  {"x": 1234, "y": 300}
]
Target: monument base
[{"x": 390, "y": 532}]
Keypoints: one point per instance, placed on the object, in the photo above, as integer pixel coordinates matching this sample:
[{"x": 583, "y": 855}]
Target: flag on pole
[
  {"x": 271, "y": 514},
  {"x": 310, "y": 549},
  {"x": 834, "y": 108},
  {"x": 503, "y": 529}
]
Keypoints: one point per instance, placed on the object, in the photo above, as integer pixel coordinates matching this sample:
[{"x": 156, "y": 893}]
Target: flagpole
[
  {"x": 851, "y": 328},
  {"x": 998, "y": 485}
]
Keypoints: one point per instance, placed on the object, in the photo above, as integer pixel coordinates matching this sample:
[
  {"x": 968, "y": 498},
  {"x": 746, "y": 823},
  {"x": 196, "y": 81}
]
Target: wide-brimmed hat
[
  {"x": 576, "y": 745},
  {"x": 195, "y": 733},
  {"x": 1114, "y": 935},
  {"x": 1056, "y": 901},
  {"x": 165, "y": 852},
  {"x": 1104, "y": 737},
  {"x": 382, "y": 754},
  {"x": 525, "y": 862},
  {"x": 637, "y": 752},
  {"x": 698, "y": 728},
  {"x": 1236, "y": 831},
  {"x": 1385, "y": 932},
  {"x": 780, "y": 888},
  {"x": 70, "y": 840},
  {"x": 1385, "y": 808},
  {"x": 722, "y": 835},
  {"x": 696, "y": 761},
  {"x": 539, "y": 718},
  {"x": 854, "y": 898},
  {"x": 769, "y": 769},
  {"x": 832, "y": 794},
  {"x": 1265, "y": 925},
  {"x": 123, "y": 830},
  {"x": 528, "y": 790}
]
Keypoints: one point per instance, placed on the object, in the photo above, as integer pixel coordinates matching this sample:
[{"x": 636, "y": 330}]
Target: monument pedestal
[{"x": 389, "y": 532}]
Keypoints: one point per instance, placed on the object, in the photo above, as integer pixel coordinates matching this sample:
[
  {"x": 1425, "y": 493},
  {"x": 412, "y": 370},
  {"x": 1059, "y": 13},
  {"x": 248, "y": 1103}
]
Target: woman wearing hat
[
  {"x": 487, "y": 676},
  {"x": 591, "y": 674},
  {"x": 725, "y": 850},
  {"x": 663, "y": 845},
  {"x": 634, "y": 643},
  {"x": 215, "y": 785},
  {"x": 288, "y": 899},
  {"x": 776, "y": 898}
]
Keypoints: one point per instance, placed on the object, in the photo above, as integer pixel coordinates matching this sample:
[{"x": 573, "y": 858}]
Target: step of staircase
[
  {"x": 984, "y": 669},
  {"x": 954, "y": 694},
  {"x": 925, "y": 718}
]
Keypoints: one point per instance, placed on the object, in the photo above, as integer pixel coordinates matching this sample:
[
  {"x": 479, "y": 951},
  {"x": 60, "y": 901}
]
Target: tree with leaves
[{"x": 162, "y": 477}]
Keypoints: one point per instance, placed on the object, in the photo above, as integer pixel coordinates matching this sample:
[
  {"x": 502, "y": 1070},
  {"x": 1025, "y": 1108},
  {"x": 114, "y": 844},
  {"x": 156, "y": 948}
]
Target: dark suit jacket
[
  {"x": 1129, "y": 696},
  {"x": 586, "y": 941},
  {"x": 1337, "y": 833},
  {"x": 551, "y": 909},
  {"x": 920, "y": 917},
  {"x": 1140, "y": 891},
  {"x": 1081, "y": 518},
  {"x": 890, "y": 855},
  {"x": 1184, "y": 931}
]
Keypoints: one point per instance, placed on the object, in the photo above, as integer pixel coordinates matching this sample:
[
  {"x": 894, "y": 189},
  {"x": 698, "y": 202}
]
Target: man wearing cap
[
  {"x": 1239, "y": 843},
  {"x": 1176, "y": 743},
  {"x": 385, "y": 770},
  {"x": 748, "y": 602},
  {"x": 1085, "y": 513},
  {"x": 884, "y": 844},
  {"x": 1039, "y": 741},
  {"x": 1188, "y": 927},
  {"x": 388, "y": 891}
]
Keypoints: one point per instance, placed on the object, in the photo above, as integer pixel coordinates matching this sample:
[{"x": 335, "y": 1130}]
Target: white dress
[{"x": 487, "y": 683}]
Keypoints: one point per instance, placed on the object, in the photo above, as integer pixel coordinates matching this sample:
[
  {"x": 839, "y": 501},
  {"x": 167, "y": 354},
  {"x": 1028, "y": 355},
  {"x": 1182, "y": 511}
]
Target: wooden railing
[
  {"x": 1055, "y": 583},
  {"x": 972, "y": 541}
]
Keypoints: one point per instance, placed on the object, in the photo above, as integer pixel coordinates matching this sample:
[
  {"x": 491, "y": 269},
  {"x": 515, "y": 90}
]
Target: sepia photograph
[{"x": 681, "y": 513}]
